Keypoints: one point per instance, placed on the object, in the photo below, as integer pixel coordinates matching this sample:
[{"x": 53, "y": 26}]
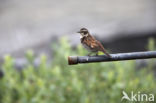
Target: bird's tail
[{"x": 105, "y": 52}]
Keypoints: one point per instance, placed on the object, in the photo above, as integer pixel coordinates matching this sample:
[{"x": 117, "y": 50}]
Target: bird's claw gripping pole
[{"x": 72, "y": 60}]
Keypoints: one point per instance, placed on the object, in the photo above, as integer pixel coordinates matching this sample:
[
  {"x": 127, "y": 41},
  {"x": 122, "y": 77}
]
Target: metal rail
[{"x": 72, "y": 60}]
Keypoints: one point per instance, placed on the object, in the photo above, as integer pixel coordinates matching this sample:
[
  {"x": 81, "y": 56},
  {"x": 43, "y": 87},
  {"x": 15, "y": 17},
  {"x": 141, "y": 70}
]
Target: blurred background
[
  {"x": 33, "y": 32},
  {"x": 34, "y": 24}
]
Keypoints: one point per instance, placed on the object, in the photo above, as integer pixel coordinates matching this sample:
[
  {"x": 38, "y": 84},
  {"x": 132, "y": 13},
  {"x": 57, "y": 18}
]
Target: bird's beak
[{"x": 78, "y": 32}]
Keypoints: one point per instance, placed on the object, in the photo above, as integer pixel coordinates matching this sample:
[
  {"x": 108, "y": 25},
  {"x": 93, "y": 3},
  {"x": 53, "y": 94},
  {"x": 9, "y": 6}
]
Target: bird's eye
[{"x": 85, "y": 32}]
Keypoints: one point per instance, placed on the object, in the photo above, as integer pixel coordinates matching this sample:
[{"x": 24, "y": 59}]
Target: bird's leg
[
  {"x": 90, "y": 54},
  {"x": 96, "y": 53}
]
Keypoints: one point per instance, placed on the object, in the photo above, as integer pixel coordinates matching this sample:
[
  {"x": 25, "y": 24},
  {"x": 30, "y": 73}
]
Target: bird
[
  {"x": 125, "y": 96},
  {"x": 90, "y": 43}
]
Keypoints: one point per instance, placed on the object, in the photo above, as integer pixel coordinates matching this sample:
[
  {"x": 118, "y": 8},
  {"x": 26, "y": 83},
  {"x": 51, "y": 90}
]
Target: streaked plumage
[{"x": 90, "y": 43}]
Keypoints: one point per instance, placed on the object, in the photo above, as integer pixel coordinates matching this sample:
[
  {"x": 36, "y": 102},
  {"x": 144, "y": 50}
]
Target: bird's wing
[
  {"x": 91, "y": 42},
  {"x": 94, "y": 45}
]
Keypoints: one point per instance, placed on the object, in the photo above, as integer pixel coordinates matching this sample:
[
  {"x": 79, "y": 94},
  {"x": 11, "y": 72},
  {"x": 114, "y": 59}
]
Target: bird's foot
[
  {"x": 89, "y": 55},
  {"x": 96, "y": 54}
]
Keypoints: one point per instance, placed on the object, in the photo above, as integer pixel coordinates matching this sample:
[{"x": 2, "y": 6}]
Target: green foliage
[
  {"x": 151, "y": 44},
  {"x": 61, "y": 83}
]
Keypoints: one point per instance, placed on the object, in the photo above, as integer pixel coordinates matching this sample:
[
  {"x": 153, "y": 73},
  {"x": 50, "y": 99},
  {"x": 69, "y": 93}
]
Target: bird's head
[{"x": 84, "y": 32}]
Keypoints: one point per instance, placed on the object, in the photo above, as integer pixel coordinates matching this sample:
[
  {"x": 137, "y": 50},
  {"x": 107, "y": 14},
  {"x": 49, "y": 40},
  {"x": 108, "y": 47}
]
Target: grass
[{"x": 60, "y": 83}]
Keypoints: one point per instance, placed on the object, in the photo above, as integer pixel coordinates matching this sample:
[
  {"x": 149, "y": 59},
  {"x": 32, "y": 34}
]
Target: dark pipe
[{"x": 114, "y": 57}]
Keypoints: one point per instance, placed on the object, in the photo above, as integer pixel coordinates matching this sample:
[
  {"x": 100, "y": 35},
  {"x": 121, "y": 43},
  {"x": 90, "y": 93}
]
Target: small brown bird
[{"x": 90, "y": 43}]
